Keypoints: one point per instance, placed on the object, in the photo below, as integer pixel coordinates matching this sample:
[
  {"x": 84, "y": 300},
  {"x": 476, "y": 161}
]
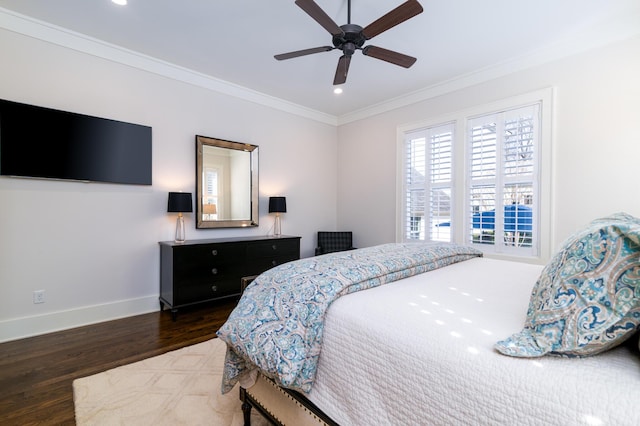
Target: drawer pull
[
  {"x": 214, "y": 271},
  {"x": 214, "y": 252},
  {"x": 214, "y": 288},
  {"x": 275, "y": 247},
  {"x": 274, "y": 263}
]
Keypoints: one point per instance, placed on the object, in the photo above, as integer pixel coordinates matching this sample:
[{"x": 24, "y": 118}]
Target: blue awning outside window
[{"x": 517, "y": 218}]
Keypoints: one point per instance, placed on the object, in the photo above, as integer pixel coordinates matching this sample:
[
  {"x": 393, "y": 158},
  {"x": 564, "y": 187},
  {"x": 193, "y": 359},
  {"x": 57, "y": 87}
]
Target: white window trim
[{"x": 546, "y": 231}]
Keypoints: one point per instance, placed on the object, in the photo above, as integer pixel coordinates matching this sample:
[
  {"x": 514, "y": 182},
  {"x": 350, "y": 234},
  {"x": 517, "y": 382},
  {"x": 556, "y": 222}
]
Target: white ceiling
[{"x": 234, "y": 41}]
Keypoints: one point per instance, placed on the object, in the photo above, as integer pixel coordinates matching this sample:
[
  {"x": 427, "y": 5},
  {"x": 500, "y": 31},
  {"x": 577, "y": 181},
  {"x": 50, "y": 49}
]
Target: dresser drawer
[
  {"x": 187, "y": 274},
  {"x": 273, "y": 248},
  {"x": 203, "y": 290},
  {"x": 210, "y": 254}
]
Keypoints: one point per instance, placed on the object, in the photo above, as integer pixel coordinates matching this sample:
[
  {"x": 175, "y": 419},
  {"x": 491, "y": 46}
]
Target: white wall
[
  {"x": 93, "y": 247},
  {"x": 596, "y": 143}
]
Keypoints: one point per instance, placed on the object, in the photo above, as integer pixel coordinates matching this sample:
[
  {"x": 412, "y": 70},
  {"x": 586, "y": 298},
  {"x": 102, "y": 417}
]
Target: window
[
  {"x": 502, "y": 190},
  {"x": 429, "y": 184},
  {"x": 210, "y": 189},
  {"x": 487, "y": 163}
]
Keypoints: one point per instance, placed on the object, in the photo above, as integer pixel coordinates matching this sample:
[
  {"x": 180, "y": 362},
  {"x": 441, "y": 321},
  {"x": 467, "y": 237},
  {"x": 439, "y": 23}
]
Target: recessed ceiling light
[
  {"x": 120, "y": 2},
  {"x": 337, "y": 90}
]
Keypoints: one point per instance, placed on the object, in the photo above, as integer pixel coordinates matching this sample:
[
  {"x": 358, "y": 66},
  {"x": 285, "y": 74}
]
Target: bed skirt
[{"x": 281, "y": 406}]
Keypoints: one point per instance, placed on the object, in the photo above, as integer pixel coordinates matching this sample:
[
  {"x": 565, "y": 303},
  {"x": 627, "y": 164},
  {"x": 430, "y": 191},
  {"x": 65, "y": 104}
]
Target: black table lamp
[
  {"x": 277, "y": 205},
  {"x": 180, "y": 202}
]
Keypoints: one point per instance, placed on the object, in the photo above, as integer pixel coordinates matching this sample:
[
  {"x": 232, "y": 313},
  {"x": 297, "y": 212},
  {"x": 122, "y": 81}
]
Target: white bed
[
  {"x": 423, "y": 349},
  {"x": 420, "y": 352}
]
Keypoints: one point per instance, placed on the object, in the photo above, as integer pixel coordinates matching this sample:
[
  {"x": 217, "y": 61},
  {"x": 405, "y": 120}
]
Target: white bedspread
[{"x": 420, "y": 352}]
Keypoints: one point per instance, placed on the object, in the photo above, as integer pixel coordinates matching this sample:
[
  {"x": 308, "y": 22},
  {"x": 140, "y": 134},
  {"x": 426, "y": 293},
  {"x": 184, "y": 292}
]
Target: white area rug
[{"x": 177, "y": 388}]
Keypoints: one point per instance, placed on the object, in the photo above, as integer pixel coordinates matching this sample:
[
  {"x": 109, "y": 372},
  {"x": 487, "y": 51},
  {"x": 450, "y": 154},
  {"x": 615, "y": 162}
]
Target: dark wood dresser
[{"x": 202, "y": 270}]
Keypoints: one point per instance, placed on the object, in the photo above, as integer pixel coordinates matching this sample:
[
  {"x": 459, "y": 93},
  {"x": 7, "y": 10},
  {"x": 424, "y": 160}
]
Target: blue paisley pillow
[{"x": 587, "y": 299}]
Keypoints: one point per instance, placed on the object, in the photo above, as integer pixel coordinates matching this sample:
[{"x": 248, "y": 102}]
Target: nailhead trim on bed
[
  {"x": 295, "y": 401},
  {"x": 271, "y": 413},
  {"x": 310, "y": 414}
]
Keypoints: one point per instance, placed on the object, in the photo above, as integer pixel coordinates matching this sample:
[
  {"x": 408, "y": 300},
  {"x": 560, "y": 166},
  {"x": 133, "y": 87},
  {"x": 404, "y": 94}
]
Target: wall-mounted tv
[{"x": 46, "y": 143}]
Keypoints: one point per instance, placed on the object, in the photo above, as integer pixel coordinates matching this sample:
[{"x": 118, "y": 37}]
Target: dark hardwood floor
[{"x": 36, "y": 373}]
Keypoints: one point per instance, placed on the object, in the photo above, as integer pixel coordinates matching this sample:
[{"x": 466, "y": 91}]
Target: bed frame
[{"x": 283, "y": 407}]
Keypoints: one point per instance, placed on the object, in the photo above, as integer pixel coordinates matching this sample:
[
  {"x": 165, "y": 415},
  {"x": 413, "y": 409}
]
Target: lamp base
[
  {"x": 277, "y": 229},
  {"x": 180, "y": 235}
]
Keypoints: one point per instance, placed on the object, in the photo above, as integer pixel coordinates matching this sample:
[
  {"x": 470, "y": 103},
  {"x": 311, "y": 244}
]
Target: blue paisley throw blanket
[{"x": 277, "y": 326}]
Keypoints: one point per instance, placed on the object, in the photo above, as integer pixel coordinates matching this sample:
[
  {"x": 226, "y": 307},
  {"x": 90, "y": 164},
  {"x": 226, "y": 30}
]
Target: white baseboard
[{"x": 19, "y": 328}]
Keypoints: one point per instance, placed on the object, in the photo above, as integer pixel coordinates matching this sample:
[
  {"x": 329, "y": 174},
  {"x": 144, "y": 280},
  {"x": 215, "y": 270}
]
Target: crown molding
[
  {"x": 622, "y": 28},
  {"x": 50, "y": 33}
]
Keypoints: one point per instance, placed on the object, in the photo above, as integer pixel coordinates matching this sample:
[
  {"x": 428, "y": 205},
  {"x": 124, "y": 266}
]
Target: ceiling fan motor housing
[{"x": 351, "y": 39}]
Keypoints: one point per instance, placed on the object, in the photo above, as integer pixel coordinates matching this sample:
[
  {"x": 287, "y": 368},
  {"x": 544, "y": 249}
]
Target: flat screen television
[{"x": 46, "y": 143}]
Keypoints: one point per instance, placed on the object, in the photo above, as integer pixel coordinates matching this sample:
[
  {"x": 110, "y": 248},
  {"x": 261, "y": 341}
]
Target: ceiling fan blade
[
  {"x": 319, "y": 16},
  {"x": 342, "y": 70},
  {"x": 303, "y": 52},
  {"x": 406, "y": 10},
  {"x": 389, "y": 56}
]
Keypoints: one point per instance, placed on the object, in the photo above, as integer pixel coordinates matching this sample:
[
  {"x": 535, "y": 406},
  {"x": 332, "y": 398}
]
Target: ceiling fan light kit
[{"x": 350, "y": 37}]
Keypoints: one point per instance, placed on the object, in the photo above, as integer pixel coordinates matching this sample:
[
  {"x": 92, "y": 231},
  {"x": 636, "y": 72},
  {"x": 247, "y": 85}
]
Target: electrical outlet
[{"x": 38, "y": 296}]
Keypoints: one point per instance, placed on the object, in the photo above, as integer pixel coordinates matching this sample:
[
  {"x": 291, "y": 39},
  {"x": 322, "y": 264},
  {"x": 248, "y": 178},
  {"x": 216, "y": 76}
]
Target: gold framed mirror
[{"x": 226, "y": 183}]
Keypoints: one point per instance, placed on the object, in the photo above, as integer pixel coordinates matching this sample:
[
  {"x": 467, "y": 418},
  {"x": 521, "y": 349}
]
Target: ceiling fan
[{"x": 350, "y": 37}]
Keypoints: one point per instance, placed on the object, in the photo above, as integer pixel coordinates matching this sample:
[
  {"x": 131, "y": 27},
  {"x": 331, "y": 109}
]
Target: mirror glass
[{"x": 226, "y": 183}]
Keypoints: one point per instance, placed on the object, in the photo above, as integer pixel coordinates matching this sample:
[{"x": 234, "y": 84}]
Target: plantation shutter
[
  {"x": 428, "y": 184},
  {"x": 210, "y": 186},
  {"x": 502, "y": 180}
]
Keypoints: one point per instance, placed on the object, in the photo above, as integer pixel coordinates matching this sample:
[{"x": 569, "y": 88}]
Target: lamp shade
[
  {"x": 180, "y": 202},
  {"x": 277, "y": 205},
  {"x": 209, "y": 209}
]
